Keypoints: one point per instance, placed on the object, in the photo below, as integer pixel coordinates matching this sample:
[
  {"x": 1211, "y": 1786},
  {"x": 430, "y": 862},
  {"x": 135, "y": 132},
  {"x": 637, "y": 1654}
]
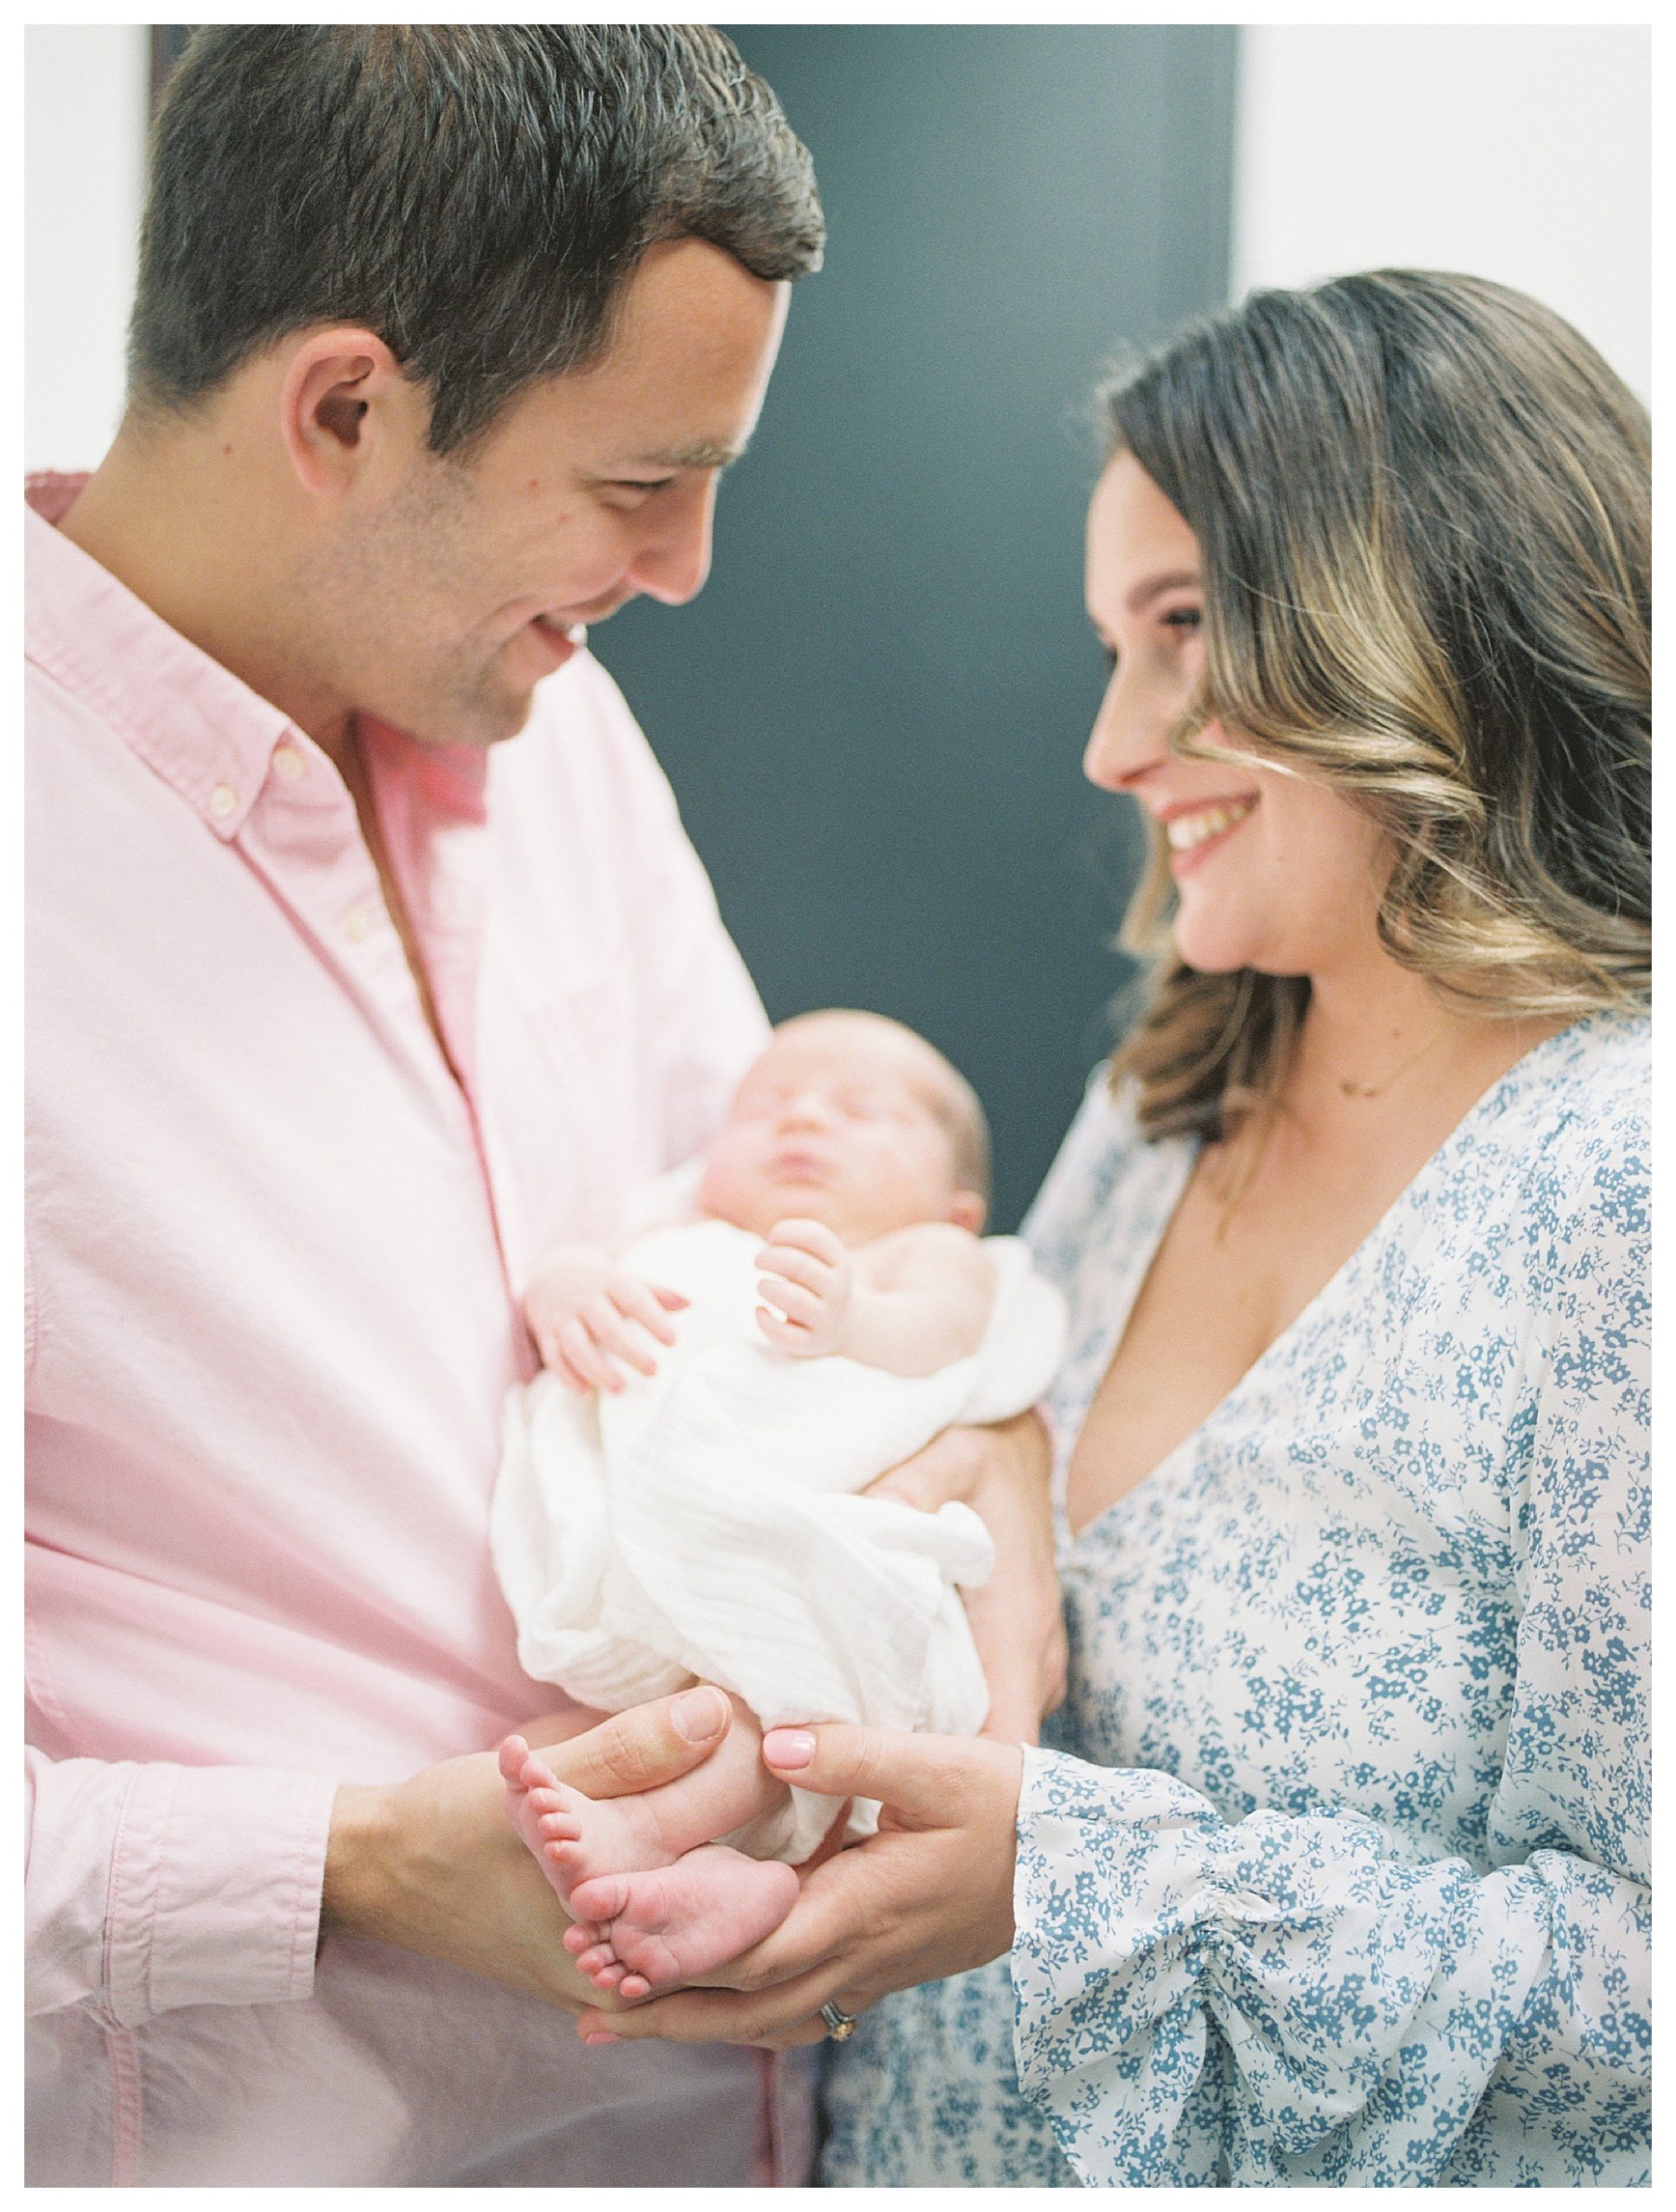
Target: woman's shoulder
[
  {"x": 1575, "y": 1114},
  {"x": 1603, "y": 1062},
  {"x": 1584, "y": 1096},
  {"x": 1104, "y": 1165}
]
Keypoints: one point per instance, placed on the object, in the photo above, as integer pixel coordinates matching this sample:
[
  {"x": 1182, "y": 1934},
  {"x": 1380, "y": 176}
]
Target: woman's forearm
[
  {"x": 1368, "y": 1999},
  {"x": 1016, "y": 1618}
]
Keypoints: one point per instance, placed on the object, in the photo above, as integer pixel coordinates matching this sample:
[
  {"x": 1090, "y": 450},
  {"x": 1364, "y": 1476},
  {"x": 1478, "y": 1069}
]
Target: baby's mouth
[{"x": 801, "y": 1168}]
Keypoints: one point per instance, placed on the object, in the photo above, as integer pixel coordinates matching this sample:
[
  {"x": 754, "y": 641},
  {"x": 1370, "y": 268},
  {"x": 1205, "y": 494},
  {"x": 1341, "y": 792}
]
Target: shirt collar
[{"x": 199, "y": 726}]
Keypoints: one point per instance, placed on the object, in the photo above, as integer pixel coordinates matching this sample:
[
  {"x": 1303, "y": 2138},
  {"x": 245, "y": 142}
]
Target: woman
[{"x": 1338, "y": 1873}]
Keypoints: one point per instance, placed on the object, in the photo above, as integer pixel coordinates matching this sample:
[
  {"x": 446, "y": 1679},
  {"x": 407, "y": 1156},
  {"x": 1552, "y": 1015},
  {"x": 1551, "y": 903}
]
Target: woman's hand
[
  {"x": 931, "y": 1894},
  {"x": 1016, "y": 1619},
  {"x": 433, "y": 1864}
]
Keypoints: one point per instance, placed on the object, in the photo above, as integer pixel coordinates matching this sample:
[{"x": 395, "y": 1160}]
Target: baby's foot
[
  {"x": 639, "y": 1932},
  {"x": 572, "y": 1836}
]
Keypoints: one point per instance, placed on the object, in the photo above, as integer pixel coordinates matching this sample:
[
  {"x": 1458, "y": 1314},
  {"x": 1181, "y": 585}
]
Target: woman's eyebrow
[{"x": 1141, "y": 595}]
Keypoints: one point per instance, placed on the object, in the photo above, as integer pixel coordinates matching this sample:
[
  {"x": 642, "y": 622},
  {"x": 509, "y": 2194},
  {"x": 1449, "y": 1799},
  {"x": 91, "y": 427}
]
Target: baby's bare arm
[
  {"x": 922, "y": 1300},
  {"x": 910, "y": 1303}
]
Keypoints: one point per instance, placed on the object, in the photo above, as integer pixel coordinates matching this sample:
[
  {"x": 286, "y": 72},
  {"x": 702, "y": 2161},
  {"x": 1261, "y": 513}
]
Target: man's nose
[{"x": 674, "y": 559}]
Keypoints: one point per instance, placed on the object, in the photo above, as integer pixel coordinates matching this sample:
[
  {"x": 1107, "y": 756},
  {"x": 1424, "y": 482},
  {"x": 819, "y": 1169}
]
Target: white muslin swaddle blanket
[{"x": 703, "y": 1522}]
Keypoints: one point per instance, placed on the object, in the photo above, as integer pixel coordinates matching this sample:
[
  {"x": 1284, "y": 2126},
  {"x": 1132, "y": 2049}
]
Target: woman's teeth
[
  {"x": 1187, "y": 831},
  {"x": 575, "y": 632}
]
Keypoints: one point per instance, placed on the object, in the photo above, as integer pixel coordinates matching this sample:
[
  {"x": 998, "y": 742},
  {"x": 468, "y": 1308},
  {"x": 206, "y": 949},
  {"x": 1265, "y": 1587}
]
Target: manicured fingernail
[
  {"x": 788, "y": 1747},
  {"x": 699, "y": 1714},
  {"x": 595, "y": 2036}
]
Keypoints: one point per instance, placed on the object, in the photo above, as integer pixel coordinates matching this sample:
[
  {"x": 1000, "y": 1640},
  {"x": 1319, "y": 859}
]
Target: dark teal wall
[{"x": 873, "y": 716}]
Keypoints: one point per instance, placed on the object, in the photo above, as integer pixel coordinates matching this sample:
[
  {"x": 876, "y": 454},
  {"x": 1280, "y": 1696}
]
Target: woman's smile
[{"x": 1196, "y": 829}]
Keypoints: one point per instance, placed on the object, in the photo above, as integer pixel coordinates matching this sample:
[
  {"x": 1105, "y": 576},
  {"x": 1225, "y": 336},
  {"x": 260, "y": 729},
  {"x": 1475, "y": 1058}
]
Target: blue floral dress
[{"x": 1338, "y": 1874}]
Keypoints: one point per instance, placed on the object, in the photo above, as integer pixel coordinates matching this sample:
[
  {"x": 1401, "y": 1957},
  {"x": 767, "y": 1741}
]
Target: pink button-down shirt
[{"x": 274, "y": 1245}]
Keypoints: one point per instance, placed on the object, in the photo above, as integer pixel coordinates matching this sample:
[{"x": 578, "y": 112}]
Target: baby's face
[{"x": 838, "y": 1123}]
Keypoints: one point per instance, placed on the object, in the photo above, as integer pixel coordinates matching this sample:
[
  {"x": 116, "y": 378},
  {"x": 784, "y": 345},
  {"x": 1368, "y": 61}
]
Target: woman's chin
[{"x": 1210, "y": 950}]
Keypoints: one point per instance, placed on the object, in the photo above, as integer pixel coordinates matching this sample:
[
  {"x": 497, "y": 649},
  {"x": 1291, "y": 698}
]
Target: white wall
[
  {"x": 1521, "y": 153},
  {"x": 84, "y": 153}
]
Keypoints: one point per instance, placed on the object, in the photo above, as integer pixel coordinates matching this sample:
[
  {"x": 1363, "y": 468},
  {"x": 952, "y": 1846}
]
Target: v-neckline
[{"x": 1184, "y": 1164}]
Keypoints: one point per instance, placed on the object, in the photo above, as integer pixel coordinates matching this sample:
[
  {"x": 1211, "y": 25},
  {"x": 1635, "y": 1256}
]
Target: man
[
  {"x": 342, "y": 1006},
  {"x": 442, "y": 338}
]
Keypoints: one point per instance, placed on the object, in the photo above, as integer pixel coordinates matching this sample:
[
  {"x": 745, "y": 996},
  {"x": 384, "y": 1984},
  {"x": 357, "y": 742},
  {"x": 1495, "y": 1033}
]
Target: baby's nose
[{"x": 807, "y": 1106}]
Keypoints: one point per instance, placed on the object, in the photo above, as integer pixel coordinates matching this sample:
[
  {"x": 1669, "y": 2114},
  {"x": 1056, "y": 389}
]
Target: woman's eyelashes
[{"x": 1181, "y": 623}]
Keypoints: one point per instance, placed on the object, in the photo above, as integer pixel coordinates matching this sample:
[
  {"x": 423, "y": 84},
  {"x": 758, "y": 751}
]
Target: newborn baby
[{"x": 677, "y": 1493}]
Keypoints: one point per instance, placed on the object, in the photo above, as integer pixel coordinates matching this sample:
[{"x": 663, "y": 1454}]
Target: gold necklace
[{"x": 1378, "y": 1090}]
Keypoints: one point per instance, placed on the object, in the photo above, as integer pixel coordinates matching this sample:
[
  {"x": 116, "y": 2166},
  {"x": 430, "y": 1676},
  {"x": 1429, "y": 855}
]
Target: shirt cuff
[{"x": 216, "y": 1878}]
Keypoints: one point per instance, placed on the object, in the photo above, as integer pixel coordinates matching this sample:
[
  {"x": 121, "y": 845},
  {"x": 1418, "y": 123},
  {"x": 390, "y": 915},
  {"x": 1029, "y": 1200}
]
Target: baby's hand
[
  {"x": 807, "y": 1274},
  {"x": 582, "y": 1309}
]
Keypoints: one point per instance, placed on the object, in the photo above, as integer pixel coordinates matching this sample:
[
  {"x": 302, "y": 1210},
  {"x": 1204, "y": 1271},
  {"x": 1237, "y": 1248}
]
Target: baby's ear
[{"x": 967, "y": 1210}]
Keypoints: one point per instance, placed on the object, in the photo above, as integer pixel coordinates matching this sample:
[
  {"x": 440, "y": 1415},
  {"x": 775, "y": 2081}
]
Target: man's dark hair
[{"x": 476, "y": 194}]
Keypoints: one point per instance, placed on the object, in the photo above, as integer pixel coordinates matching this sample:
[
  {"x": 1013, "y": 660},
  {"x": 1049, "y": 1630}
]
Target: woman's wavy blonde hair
[{"x": 1422, "y": 503}]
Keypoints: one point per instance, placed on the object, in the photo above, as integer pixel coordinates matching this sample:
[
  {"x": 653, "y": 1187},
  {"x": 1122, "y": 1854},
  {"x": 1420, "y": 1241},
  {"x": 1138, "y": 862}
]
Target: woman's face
[{"x": 1273, "y": 871}]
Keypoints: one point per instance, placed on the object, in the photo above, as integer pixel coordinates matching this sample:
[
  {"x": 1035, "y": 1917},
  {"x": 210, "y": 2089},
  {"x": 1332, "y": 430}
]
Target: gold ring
[{"x": 841, "y": 2026}]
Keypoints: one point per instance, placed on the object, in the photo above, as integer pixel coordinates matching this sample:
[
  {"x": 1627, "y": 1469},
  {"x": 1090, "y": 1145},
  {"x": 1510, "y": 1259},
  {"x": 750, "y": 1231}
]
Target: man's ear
[
  {"x": 343, "y": 394},
  {"x": 967, "y": 1210}
]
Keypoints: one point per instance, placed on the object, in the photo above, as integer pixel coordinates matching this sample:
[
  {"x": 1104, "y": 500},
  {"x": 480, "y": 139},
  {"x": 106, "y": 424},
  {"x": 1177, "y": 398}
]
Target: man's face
[{"x": 445, "y": 596}]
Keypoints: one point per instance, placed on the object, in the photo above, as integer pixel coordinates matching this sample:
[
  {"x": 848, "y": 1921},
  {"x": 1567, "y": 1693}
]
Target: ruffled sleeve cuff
[
  {"x": 1111, "y": 1873},
  {"x": 1362, "y": 1996}
]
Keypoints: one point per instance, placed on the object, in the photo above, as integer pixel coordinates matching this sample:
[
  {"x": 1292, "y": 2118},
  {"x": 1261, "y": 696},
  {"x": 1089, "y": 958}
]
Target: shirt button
[
  {"x": 358, "y": 921},
  {"x": 288, "y": 763},
  {"x": 222, "y": 801}
]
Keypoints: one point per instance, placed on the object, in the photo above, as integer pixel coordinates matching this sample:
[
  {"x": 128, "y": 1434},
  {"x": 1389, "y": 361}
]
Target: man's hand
[
  {"x": 808, "y": 1279},
  {"x": 433, "y": 1864},
  {"x": 1017, "y": 1621},
  {"x": 584, "y": 1312}
]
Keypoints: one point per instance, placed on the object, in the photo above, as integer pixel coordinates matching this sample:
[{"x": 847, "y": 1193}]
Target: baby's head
[{"x": 854, "y": 1120}]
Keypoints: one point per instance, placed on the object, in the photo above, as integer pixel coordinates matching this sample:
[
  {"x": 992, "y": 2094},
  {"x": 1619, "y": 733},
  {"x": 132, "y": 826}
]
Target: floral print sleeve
[{"x": 1349, "y": 1886}]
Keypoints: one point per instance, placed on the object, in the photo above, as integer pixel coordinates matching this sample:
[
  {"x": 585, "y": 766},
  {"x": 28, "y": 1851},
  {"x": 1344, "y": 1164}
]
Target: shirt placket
[
  {"x": 302, "y": 836},
  {"x": 434, "y": 820}
]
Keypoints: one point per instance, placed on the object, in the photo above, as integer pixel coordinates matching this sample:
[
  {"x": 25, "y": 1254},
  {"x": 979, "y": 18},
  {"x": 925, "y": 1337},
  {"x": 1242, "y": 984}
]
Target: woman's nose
[{"x": 1127, "y": 740}]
